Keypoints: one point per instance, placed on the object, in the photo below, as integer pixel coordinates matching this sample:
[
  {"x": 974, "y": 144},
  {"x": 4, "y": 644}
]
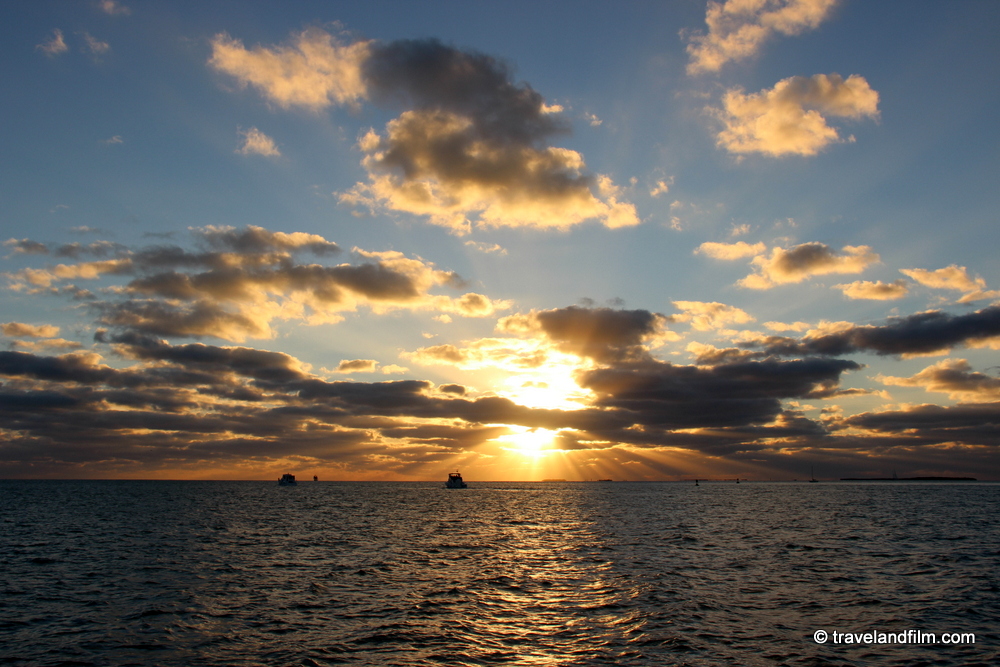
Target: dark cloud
[
  {"x": 604, "y": 334},
  {"x": 970, "y": 423},
  {"x": 27, "y": 246},
  {"x": 736, "y": 394},
  {"x": 471, "y": 145},
  {"x": 242, "y": 280},
  {"x": 428, "y": 75},
  {"x": 921, "y": 333}
]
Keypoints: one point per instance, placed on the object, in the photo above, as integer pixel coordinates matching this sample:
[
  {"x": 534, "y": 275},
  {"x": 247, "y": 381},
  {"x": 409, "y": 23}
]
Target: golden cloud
[
  {"x": 954, "y": 377},
  {"x": 256, "y": 142},
  {"x": 876, "y": 291},
  {"x": 314, "y": 72},
  {"x": 953, "y": 278},
  {"x": 441, "y": 165},
  {"x": 730, "y": 251},
  {"x": 803, "y": 261},
  {"x": 738, "y": 28},
  {"x": 789, "y": 118}
]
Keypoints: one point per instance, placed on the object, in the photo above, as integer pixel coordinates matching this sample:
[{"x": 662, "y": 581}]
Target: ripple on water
[{"x": 208, "y": 573}]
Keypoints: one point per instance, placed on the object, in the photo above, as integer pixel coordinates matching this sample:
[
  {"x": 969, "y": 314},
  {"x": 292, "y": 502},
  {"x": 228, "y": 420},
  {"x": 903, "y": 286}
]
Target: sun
[{"x": 529, "y": 442}]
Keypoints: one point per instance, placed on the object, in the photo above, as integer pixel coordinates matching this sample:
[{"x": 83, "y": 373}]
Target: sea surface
[{"x": 602, "y": 573}]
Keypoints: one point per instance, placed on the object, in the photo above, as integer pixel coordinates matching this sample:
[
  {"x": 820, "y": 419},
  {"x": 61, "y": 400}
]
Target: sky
[{"x": 546, "y": 240}]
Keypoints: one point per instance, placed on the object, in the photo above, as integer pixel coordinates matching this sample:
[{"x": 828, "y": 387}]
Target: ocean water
[{"x": 619, "y": 573}]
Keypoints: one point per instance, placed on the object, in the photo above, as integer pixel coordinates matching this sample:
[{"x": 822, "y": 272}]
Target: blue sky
[{"x": 531, "y": 240}]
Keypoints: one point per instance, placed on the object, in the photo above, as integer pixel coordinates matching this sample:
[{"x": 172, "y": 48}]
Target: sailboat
[{"x": 812, "y": 477}]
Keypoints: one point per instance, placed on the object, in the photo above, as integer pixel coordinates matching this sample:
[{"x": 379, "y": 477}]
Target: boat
[
  {"x": 455, "y": 481},
  {"x": 812, "y": 477},
  {"x": 286, "y": 479}
]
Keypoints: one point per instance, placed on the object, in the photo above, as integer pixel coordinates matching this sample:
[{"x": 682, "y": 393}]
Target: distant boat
[
  {"x": 605, "y": 480},
  {"x": 315, "y": 478},
  {"x": 455, "y": 481},
  {"x": 286, "y": 479},
  {"x": 812, "y": 477}
]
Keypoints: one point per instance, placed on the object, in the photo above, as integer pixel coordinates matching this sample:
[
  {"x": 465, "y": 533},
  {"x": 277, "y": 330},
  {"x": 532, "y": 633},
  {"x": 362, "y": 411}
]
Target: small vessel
[
  {"x": 455, "y": 481},
  {"x": 287, "y": 479},
  {"x": 812, "y": 477}
]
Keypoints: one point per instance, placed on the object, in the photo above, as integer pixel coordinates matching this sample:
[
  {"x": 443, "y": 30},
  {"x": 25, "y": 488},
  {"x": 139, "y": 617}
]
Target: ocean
[{"x": 595, "y": 573}]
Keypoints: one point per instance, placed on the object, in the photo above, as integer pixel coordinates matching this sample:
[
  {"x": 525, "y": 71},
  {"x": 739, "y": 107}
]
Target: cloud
[
  {"x": 113, "y": 8},
  {"x": 660, "y": 188},
  {"x": 737, "y": 29},
  {"x": 960, "y": 425},
  {"x": 45, "y": 345},
  {"x": 117, "y": 139},
  {"x": 253, "y": 239},
  {"x": 27, "y": 246},
  {"x": 730, "y": 251},
  {"x": 55, "y": 46},
  {"x": 94, "y": 45},
  {"x": 314, "y": 72},
  {"x": 470, "y": 148},
  {"x": 256, "y": 142},
  {"x": 487, "y": 247},
  {"x": 245, "y": 279},
  {"x": 449, "y": 168},
  {"x": 22, "y": 330},
  {"x": 954, "y": 377},
  {"x": 705, "y": 316},
  {"x": 793, "y": 265},
  {"x": 732, "y": 394},
  {"x": 931, "y": 332},
  {"x": 357, "y": 366},
  {"x": 791, "y": 118},
  {"x": 876, "y": 291},
  {"x": 953, "y": 278},
  {"x": 602, "y": 334},
  {"x": 182, "y": 410}
]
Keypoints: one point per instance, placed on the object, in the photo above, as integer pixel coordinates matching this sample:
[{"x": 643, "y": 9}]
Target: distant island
[{"x": 908, "y": 479}]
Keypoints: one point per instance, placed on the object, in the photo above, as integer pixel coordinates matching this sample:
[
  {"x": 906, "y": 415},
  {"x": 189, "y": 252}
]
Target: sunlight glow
[{"x": 529, "y": 442}]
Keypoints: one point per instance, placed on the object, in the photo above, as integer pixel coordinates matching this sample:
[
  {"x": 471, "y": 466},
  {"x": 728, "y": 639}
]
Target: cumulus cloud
[
  {"x": 795, "y": 264},
  {"x": 705, "y": 316},
  {"x": 953, "y": 278},
  {"x": 314, "y": 72},
  {"x": 876, "y": 291},
  {"x": 256, "y": 142},
  {"x": 470, "y": 148},
  {"x": 730, "y": 251},
  {"x": 22, "y": 330},
  {"x": 602, "y": 334},
  {"x": 357, "y": 366},
  {"x": 737, "y": 29},
  {"x": 954, "y": 377},
  {"x": 791, "y": 118},
  {"x": 55, "y": 46}
]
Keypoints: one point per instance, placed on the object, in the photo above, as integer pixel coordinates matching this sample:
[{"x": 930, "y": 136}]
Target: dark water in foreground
[{"x": 250, "y": 573}]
